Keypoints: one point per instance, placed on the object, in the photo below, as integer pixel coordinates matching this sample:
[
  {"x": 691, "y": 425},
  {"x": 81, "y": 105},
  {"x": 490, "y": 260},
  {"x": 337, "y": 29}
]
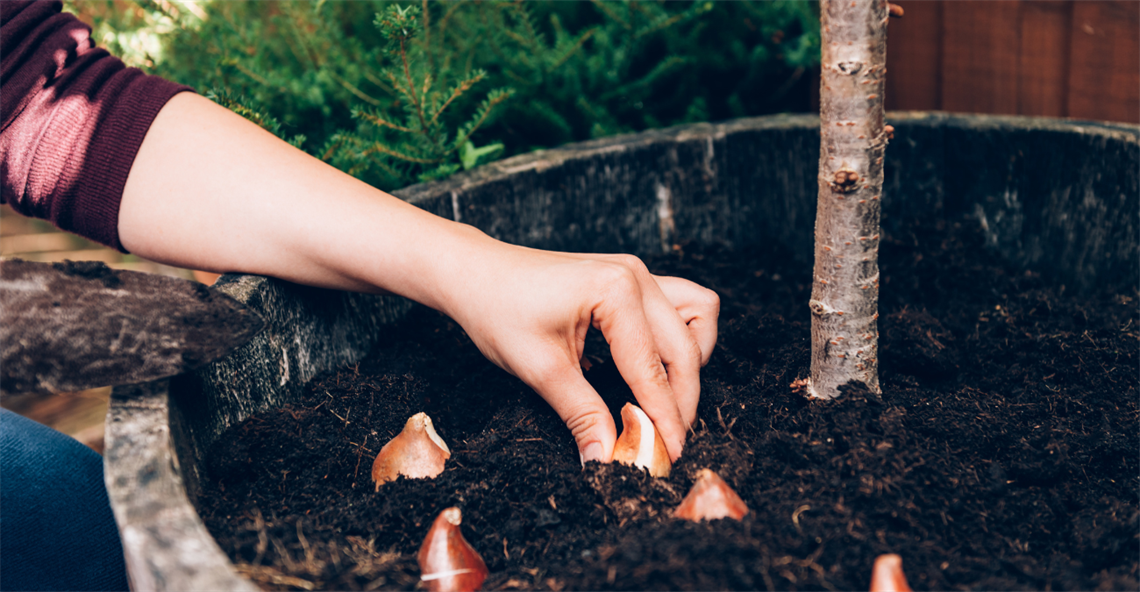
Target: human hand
[{"x": 528, "y": 311}]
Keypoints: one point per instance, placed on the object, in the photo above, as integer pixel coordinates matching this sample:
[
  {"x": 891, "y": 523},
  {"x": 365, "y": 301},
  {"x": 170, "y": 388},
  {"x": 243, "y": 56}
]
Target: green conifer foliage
[
  {"x": 399, "y": 92},
  {"x": 423, "y": 135}
]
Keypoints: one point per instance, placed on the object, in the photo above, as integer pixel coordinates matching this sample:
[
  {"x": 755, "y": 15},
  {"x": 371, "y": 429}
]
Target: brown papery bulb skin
[
  {"x": 417, "y": 453},
  {"x": 447, "y": 562},
  {"x": 710, "y": 499},
  {"x": 640, "y": 445},
  {"x": 887, "y": 575}
]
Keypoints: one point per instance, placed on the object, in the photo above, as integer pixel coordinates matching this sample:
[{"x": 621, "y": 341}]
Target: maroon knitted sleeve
[{"x": 73, "y": 120}]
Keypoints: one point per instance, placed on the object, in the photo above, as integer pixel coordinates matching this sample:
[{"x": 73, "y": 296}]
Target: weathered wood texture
[
  {"x": 307, "y": 331},
  {"x": 746, "y": 182},
  {"x": 1054, "y": 58},
  {"x": 164, "y": 541},
  {"x": 78, "y": 325}
]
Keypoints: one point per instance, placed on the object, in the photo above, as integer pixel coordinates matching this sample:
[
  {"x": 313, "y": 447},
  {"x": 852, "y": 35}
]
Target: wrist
[{"x": 451, "y": 266}]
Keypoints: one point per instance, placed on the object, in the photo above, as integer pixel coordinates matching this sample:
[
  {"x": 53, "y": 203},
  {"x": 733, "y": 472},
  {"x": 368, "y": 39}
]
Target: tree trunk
[{"x": 845, "y": 289}]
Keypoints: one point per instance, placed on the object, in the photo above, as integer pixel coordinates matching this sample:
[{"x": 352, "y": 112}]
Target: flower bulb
[
  {"x": 640, "y": 445},
  {"x": 417, "y": 453}
]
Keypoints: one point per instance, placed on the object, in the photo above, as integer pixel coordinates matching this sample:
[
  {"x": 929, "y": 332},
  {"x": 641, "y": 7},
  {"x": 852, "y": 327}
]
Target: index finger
[{"x": 621, "y": 319}]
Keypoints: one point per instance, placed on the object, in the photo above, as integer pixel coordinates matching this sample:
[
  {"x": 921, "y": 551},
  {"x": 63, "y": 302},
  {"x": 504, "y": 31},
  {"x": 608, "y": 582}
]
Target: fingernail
[{"x": 593, "y": 451}]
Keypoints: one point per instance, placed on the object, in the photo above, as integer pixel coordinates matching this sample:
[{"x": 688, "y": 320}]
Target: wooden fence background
[{"x": 1055, "y": 58}]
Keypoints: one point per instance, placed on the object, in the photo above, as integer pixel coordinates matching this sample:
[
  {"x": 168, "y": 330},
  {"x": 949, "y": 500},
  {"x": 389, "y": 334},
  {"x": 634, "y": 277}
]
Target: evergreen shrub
[{"x": 399, "y": 92}]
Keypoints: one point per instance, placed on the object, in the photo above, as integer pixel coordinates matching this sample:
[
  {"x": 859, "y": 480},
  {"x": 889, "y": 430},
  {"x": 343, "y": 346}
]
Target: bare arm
[{"x": 209, "y": 190}]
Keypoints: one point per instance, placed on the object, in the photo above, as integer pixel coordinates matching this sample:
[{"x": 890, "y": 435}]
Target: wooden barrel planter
[{"x": 1054, "y": 196}]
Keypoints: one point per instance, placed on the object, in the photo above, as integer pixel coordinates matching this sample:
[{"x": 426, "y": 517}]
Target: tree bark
[{"x": 845, "y": 289}]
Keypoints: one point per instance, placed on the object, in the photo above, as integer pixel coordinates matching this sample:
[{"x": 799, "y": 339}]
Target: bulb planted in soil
[
  {"x": 417, "y": 453},
  {"x": 447, "y": 562},
  {"x": 640, "y": 445},
  {"x": 887, "y": 575},
  {"x": 710, "y": 499}
]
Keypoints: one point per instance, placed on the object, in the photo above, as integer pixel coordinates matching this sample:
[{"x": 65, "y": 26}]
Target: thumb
[{"x": 583, "y": 412}]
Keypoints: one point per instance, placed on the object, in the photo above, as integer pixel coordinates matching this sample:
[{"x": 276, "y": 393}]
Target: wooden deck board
[{"x": 79, "y": 415}]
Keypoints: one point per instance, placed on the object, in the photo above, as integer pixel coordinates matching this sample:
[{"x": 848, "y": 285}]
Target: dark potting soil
[{"x": 1002, "y": 454}]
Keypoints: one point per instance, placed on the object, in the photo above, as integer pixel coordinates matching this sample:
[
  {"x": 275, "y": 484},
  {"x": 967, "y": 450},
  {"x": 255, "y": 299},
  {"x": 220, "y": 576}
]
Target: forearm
[{"x": 210, "y": 190}]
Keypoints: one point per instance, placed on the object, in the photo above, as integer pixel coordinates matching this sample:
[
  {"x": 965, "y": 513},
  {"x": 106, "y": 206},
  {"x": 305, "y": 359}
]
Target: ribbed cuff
[{"x": 112, "y": 151}]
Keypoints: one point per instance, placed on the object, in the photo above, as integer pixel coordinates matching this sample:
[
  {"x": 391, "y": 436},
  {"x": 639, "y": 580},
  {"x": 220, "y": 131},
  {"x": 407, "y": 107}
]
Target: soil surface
[{"x": 1002, "y": 454}]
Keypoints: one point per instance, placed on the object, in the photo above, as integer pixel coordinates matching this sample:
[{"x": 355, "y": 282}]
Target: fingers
[
  {"x": 682, "y": 359},
  {"x": 660, "y": 330},
  {"x": 678, "y": 350},
  {"x": 675, "y": 341},
  {"x": 698, "y": 307},
  {"x": 621, "y": 317},
  {"x": 581, "y": 409}
]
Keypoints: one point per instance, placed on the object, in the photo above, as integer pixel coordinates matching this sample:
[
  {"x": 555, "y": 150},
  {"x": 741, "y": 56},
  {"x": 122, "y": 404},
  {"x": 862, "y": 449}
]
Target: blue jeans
[{"x": 56, "y": 527}]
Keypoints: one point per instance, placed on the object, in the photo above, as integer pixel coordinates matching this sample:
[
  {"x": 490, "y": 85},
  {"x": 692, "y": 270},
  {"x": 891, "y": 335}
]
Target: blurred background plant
[{"x": 399, "y": 92}]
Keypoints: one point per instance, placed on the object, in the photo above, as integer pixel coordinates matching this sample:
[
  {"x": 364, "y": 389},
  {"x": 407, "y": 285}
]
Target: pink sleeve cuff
[{"x": 74, "y": 118}]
